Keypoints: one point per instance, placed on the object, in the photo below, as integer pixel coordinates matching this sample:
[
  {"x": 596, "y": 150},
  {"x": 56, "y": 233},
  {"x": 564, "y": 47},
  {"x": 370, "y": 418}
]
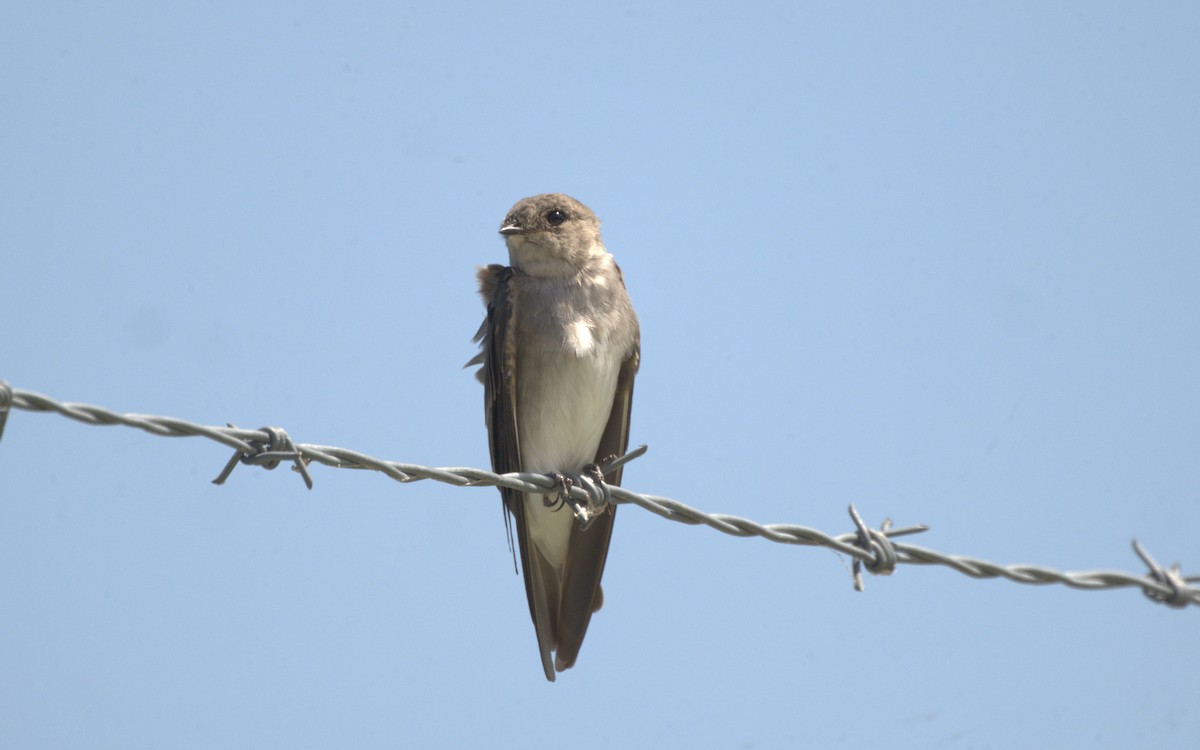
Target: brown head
[{"x": 552, "y": 235}]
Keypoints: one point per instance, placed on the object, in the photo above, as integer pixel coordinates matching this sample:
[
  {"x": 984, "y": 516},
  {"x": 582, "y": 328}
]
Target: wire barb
[
  {"x": 612, "y": 463},
  {"x": 883, "y": 555},
  {"x": 6, "y": 399},
  {"x": 267, "y": 454},
  {"x": 1172, "y": 578},
  {"x": 874, "y": 549}
]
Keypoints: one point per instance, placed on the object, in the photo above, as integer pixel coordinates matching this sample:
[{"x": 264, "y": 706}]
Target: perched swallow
[{"x": 559, "y": 351}]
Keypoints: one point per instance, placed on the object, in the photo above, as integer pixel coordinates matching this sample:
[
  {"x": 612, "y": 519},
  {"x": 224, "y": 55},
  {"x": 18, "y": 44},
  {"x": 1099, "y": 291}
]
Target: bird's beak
[{"x": 509, "y": 229}]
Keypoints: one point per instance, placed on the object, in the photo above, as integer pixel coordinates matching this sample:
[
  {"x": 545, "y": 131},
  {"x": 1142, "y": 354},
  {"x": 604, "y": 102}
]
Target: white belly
[{"x": 561, "y": 417}]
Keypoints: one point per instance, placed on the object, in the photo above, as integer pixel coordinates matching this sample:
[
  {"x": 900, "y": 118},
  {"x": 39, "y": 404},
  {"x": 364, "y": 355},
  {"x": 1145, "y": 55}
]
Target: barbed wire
[{"x": 872, "y": 549}]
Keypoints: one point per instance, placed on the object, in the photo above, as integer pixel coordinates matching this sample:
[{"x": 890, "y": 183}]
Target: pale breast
[
  {"x": 563, "y": 405},
  {"x": 568, "y": 355},
  {"x": 570, "y": 343}
]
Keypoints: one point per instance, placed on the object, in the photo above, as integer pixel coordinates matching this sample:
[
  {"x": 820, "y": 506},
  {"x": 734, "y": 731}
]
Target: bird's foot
[
  {"x": 554, "y": 502},
  {"x": 593, "y": 471},
  {"x": 590, "y": 479}
]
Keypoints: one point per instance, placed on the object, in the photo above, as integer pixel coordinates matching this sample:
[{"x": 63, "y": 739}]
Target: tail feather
[
  {"x": 581, "y": 593},
  {"x": 544, "y": 603}
]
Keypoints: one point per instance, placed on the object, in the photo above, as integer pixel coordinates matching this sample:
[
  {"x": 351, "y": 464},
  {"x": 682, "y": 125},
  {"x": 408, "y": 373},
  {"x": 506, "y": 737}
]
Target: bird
[{"x": 559, "y": 348}]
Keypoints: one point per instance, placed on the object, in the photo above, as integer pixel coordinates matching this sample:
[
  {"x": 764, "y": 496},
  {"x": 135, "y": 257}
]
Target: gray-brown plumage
[{"x": 560, "y": 348}]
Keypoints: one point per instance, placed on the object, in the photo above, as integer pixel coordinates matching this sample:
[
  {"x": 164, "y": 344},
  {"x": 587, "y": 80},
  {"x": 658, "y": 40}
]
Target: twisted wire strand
[{"x": 870, "y": 548}]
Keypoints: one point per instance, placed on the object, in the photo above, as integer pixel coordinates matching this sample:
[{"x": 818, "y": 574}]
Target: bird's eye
[{"x": 555, "y": 217}]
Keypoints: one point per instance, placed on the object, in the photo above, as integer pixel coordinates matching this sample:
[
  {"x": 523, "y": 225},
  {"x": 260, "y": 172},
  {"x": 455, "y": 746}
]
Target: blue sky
[{"x": 937, "y": 259}]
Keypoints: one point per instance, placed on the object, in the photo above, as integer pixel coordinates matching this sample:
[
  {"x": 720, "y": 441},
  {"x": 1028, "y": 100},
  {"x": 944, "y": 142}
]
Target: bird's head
[{"x": 551, "y": 235}]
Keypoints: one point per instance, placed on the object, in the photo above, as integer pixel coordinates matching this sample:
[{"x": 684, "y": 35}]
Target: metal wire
[{"x": 870, "y": 548}]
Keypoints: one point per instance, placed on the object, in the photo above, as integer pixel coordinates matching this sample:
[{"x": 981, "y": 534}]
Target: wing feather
[{"x": 498, "y": 357}]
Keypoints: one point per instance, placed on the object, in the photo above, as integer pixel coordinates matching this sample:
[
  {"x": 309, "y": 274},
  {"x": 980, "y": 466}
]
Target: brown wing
[
  {"x": 498, "y": 375},
  {"x": 498, "y": 357},
  {"x": 581, "y": 592}
]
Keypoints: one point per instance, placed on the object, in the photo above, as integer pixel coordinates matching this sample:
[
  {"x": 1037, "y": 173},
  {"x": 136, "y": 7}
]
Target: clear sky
[{"x": 937, "y": 259}]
